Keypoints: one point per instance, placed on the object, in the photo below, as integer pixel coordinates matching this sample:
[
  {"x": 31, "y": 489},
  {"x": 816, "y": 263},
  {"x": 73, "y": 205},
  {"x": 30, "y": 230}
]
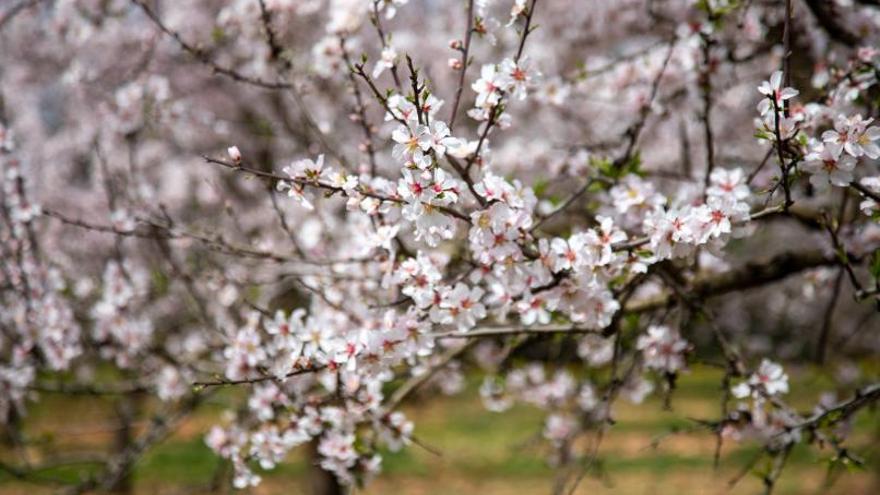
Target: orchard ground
[{"x": 649, "y": 450}]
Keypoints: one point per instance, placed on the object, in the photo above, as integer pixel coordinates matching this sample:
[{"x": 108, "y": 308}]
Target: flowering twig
[
  {"x": 203, "y": 56},
  {"x": 376, "y": 19},
  {"x": 327, "y": 187},
  {"x": 706, "y": 116},
  {"x": 465, "y": 50},
  {"x": 495, "y": 111},
  {"x": 514, "y": 330},
  {"x": 415, "y": 382},
  {"x": 360, "y": 110},
  {"x": 258, "y": 379},
  {"x": 634, "y": 132}
]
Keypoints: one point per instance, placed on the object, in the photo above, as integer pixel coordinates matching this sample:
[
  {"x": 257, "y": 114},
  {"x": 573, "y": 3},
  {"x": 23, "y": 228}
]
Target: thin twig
[{"x": 464, "y": 62}]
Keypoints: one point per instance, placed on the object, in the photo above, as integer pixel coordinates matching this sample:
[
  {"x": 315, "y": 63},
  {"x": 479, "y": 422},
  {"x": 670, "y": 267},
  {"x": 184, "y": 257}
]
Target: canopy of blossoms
[{"x": 335, "y": 205}]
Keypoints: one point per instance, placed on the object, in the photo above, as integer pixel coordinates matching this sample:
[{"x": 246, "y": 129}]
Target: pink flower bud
[
  {"x": 454, "y": 64},
  {"x": 234, "y": 153}
]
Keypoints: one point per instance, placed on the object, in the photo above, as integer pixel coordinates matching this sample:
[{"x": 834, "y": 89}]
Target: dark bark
[
  {"x": 126, "y": 410},
  {"x": 321, "y": 482},
  {"x": 826, "y": 15},
  {"x": 750, "y": 275}
]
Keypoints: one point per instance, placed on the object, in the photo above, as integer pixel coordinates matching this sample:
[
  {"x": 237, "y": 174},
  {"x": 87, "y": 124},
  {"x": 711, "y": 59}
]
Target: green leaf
[
  {"x": 160, "y": 282},
  {"x": 540, "y": 187},
  {"x": 874, "y": 268},
  {"x": 218, "y": 35}
]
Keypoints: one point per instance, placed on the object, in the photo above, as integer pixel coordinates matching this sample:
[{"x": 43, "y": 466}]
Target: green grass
[{"x": 186, "y": 462}]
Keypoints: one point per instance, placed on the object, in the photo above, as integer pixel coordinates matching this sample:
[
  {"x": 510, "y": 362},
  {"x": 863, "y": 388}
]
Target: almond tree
[{"x": 330, "y": 206}]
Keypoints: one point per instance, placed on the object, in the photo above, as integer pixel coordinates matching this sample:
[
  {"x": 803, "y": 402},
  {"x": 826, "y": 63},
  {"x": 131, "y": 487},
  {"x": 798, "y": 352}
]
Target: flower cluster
[
  {"x": 776, "y": 425},
  {"x": 40, "y": 329},
  {"x": 497, "y": 80},
  {"x": 768, "y": 381},
  {"x": 306, "y": 171},
  {"x": 309, "y": 356},
  {"x": 662, "y": 349},
  {"x": 573, "y": 405},
  {"x": 123, "y": 335},
  {"x": 833, "y": 160},
  {"x": 775, "y": 123},
  {"x": 677, "y": 231}
]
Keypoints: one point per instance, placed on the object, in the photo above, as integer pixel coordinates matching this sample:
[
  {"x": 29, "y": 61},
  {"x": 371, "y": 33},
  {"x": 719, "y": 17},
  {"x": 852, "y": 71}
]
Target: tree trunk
[
  {"x": 126, "y": 412},
  {"x": 321, "y": 482}
]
